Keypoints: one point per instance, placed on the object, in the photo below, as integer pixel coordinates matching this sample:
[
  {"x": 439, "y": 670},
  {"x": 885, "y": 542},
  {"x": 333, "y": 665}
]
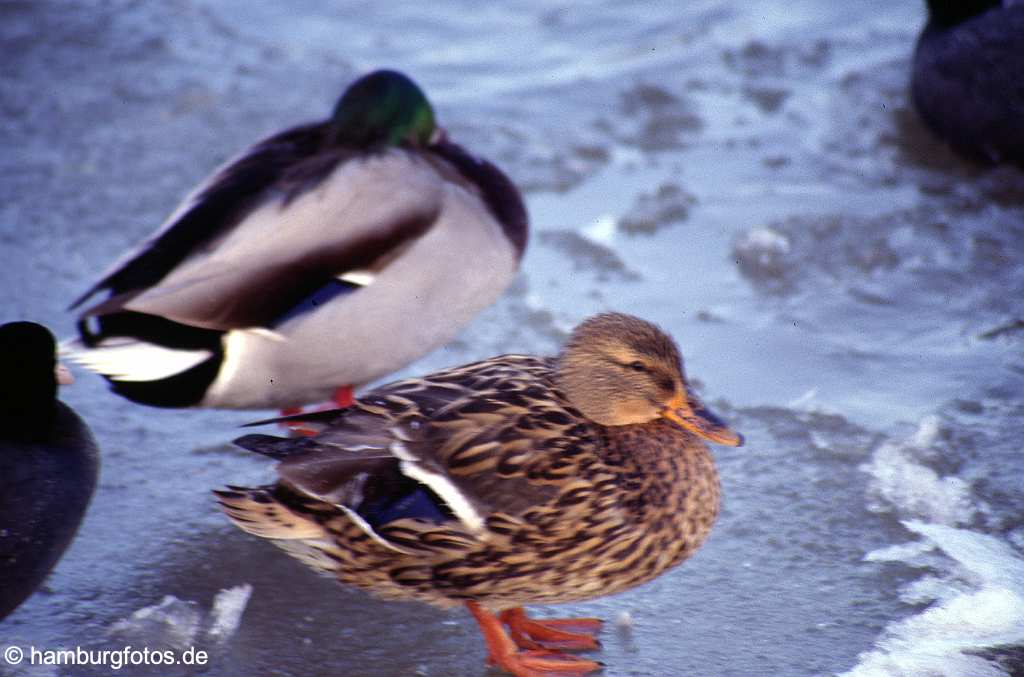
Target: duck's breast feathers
[
  {"x": 498, "y": 191},
  {"x": 363, "y": 214}
]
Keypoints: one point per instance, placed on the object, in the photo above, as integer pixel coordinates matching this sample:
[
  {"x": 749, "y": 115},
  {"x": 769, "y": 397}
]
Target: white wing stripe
[{"x": 441, "y": 486}]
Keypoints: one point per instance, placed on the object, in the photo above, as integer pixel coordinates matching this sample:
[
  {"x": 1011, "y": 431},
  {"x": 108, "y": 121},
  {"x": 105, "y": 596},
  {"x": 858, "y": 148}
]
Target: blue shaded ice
[
  {"x": 178, "y": 624},
  {"x": 978, "y": 605}
]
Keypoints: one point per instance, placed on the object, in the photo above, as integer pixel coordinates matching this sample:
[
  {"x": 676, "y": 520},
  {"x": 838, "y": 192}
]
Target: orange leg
[
  {"x": 504, "y": 653},
  {"x": 555, "y": 633},
  {"x": 341, "y": 399}
]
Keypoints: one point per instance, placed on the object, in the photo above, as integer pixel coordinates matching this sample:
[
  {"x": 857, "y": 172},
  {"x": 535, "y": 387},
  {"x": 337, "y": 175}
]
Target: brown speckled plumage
[{"x": 556, "y": 507}]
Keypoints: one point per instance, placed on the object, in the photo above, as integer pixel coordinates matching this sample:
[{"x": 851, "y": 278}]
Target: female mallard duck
[
  {"x": 966, "y": 81},
  {"x": 48, "y": 464},
  {"x": 326, "y": 256},
  {"x": 506, "y": 482}
]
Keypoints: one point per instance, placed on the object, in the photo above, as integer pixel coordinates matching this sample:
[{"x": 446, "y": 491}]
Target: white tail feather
[{"x": 125, "y": 359}]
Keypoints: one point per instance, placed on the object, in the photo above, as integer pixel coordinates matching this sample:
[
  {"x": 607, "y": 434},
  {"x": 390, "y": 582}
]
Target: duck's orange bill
[{"x": 689, "y": 412}]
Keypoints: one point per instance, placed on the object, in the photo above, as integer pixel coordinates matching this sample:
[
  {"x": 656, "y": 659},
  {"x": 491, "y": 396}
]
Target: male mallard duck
[
  {"x": 511, "y": 481},
  {"x": 966, "y": 83},
  {"x": 48, "y": 464},
  {"x": 325, "y": 256}
]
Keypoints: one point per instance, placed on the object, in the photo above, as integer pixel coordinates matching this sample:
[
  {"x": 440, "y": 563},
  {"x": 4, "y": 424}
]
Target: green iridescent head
[{"x": 383, "y": 108}]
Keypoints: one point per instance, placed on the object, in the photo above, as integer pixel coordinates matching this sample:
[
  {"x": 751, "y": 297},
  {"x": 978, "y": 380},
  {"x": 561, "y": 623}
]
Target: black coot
[
  {"x": 48, "y": 463},
  {"x": 968, "y": 78}
]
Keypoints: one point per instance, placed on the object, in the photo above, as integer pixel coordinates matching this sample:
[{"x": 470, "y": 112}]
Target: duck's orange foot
[
  {"x": 505, "y": 653},
  {"x": 574, "y": 634},
  {"x": 343, "y": 397}
]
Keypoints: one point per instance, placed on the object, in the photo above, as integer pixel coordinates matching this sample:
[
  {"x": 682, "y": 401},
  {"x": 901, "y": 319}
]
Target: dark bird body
[
  {"x": 48, "y": 465},
  {"x": 968, "y": 78}
]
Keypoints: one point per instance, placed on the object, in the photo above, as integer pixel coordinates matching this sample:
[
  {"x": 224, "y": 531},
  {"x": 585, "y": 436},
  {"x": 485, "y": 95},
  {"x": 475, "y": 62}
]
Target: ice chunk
[
  {"x": 904, "y": 552},
  {"x": 173, "y": 623},
  {"x": 762, "y": 241},
  {"x": 927, "y": 432},
  {"x": 176, "y": 623},
  {"x": 988, "y": 559},
  {"x": 764, "y": 255},
  {"x": 902, "y": 484},
  {"x": 601, "y": 231},
  {"x": 228, "y": 607},
  {"x": 980, "y": 606}
]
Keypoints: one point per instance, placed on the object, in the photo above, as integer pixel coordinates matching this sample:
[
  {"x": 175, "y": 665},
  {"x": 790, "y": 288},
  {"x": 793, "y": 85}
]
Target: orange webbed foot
[
  {"x": 574, "y": 634},
  {"x": 505, "y": 652}
]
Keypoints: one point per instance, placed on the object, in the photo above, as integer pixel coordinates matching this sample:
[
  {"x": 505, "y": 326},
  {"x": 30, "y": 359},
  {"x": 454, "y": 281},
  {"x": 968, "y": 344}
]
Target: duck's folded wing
[
  {"x": 488, "y": 438},
  {"x": 298, "y": 238},
  {"x": 214, "y": 207},
  {"x": 496, "y": 457},
  {"x": 352, "y": 468},
  {"x": 439, "y": 450},
  {"x": 335, "y": 469}
]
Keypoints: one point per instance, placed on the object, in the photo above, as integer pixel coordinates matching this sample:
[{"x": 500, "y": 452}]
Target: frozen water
[
  {"x": 601, "y": 231},
  {"x": 173, "y": 623},
  {"x": 978, "y": 604},
  {"x": 226, "y": 615},
  {"x": 177, "y": 624},
  {"x": 748, "y": 175},
  {"x": 902, "y": 482},
  {"x": 761, "y": 253}
]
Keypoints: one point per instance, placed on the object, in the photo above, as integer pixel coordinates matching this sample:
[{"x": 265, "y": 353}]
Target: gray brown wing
[
  {"x": 481, "y": 439},
  {"x": 286, "y": 245},
  {"x": 218, "y": 205},
  {"x": 508, "y": 443}
]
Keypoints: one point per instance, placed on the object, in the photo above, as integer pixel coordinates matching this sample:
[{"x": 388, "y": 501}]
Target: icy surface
[
  {"x": 173, "y": 623},
  {"x": 748, "y": 175},
  {"x": 178, "y": 624},
  {"x": 977, "y": 604},
  {"x": 902, "y": 481},
  {"x": 226, "y": 615}
]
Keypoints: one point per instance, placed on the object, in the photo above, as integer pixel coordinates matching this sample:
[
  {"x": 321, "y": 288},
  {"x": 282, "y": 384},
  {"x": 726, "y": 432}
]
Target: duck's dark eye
[{"x": 637, "y": 366}]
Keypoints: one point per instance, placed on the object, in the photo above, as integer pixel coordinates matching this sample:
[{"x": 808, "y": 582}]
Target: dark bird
[
  {"x": 324, "y": 257},
  {"x": 48, "y": 464},
  {"x": 515, "y": 480},
  {"x": 968, "y": 78}
]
